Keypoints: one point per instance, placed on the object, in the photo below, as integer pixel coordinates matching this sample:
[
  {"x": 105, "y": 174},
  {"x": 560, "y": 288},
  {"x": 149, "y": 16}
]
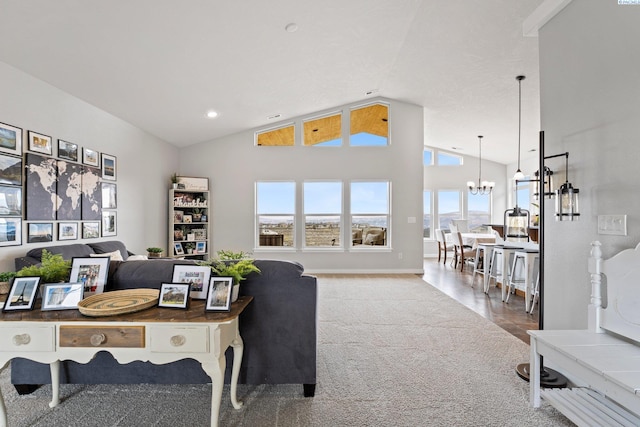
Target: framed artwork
[
  {"x": 219, "y": 294},
  {"x": 193, "y": 183},
  {"x": 90, "y": 157},
  {"x": 10, "y": 201},
  {"x": 91, "y": 194},
  {"x": 22, "y": 295},
  {"x": 197, "y": 276},
  {"x": 201, "y": 247},
  {"x": 187, "y": 219},
  {"x": 68, "y": 189},
  {"x": 109, "y": 195},
  {"x": 39, "y": 143},
  {"x": 67, "y": 150},
  {"x": 200, "y": 233},
  {"x": 67, "y": 231},
  {"x": 10, "y": 170},
  {"x": 40, "y": 186},
  {"x": 177, "y": 249},
  {"x": 178, "y": 235},
  {"x": 10, "y": 139},
  {"x": 108, "y": 167},
  {"x": 91, "y": 272},
  {"x": 38, "y": 232},
  {"x": 174, "y": 295},
  {"x": 90, "y": 230},
  {"x": 178, "y": 216},
  {"x": 109, "y": 223},
  {"x": 61, "y": 296},
  {"x": 10, "y": 231}
]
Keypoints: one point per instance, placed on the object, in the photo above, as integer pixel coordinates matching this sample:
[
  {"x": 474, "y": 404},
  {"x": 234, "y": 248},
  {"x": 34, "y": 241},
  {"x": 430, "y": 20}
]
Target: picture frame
[
  {"x": 91, "y": 272},
  {"x": 61, "y": 296},
  {"x": 201, "y": 247},
  {"x": 39, "y": 143},
  {"x": 90, "y": 157},
  {"x": 67, "y": 231},
  {"x": 193, "y": 183},
  {"x": 10, "y": 201},
  {"x": 177, "y": 249},
  {"x": 67, "y": 150},
  {"x": 187, "y": 219},
  {"x": 10, "y": 139},
  {"x": 178, "y": 216},
  {"x": 200, "y": 233},
  {"x": 10, "y": 231},
  {"x": 109, "y": 195},
  {"x": 90, "y": 230},
  {"x": 10, "y": 170},
  {"x": 174, "y": 295},
  {"x": 197, "y": 276},
  {"x": 22, "y": 295},
  {"x": 109, "y": 223},
  {"x": 39, "y": 232},
  {"x": 109, "y": 167},
  {"x": 219, "y": 294}
]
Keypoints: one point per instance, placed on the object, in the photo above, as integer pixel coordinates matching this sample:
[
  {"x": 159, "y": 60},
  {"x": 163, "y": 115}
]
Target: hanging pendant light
[
  {"x": 483, "y": 187},
  {"x": 567, "y": 198},
  {"x": 519, "y": 175}
]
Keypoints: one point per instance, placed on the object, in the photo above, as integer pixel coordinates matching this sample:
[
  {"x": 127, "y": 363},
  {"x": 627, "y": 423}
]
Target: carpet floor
[{"x": 392, "y": 351}]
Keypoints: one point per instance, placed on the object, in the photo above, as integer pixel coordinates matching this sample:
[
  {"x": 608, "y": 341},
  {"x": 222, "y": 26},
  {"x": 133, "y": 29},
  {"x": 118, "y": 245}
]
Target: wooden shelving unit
[{"x": 189, "y": 224}]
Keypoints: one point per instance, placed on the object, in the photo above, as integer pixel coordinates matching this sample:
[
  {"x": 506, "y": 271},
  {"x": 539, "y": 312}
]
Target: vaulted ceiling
[{"x": 162, "y": 64}]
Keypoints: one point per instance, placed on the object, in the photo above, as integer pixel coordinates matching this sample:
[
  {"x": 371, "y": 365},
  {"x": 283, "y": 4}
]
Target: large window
[
  {"x": 445, "y": 159},
  {"x": 370, "y": 213},
  {"x": 427, "y": 227},
  {"x": 276, "y": 207},
  {"x": 322, "y": 214},
  {"x": 370, "y": 126},
  {"x": 478, "y": 210},
  {"x": 282, "y": 136},
  {"x": 427, "y": 157},
  {"x": 324, "y": 131},
  {"x": 449, "y": 207}
]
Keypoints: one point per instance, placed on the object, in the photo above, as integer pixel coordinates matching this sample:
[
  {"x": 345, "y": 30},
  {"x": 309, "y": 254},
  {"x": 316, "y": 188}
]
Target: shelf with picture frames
[{"x": 189, "y": 235}]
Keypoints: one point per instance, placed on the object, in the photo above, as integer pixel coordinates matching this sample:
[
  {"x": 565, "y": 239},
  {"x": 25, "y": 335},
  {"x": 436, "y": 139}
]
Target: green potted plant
[
  {"x": 196, "y": 214},
  {"x": 174, "y": 180},
  {"x": 237, "y": 265},
  {"x": 52, "y": 268},
  {"x": 189, "y": 247},
  {"x": 154, "y": 252},
  {"x": 5, "y": 278}
]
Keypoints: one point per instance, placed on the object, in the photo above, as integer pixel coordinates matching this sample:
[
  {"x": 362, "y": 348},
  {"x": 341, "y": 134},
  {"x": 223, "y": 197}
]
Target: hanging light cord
[{"x": 519, "y": 115}]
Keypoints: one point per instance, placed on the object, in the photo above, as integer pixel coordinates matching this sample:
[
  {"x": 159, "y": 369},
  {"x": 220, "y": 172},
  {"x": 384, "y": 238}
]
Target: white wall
[
  {"x": 590, "y": 104},
  {"x": 144, "y": 162},
  {"x": 233, "y": 165}
]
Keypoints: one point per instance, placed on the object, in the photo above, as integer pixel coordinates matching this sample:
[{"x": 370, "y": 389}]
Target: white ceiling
[{"x": 162, "y": 64}]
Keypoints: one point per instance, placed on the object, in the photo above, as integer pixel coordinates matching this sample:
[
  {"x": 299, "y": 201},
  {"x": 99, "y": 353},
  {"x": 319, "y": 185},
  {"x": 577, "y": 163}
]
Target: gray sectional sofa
[{"x": 278, "y": 328}]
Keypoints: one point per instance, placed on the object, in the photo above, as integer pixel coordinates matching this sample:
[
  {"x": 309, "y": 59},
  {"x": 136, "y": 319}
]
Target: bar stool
[
  {"x": 536, "y": 293},
  {"x": 527, "y": 258},
  {"x": 482, "y": 262},
  {"x": 495, "y": 271},
  {"x": 502, "y": 271}
]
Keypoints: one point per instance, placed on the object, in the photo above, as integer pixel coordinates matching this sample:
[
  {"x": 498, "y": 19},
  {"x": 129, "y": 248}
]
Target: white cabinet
[{"x": 189, "y": 231}]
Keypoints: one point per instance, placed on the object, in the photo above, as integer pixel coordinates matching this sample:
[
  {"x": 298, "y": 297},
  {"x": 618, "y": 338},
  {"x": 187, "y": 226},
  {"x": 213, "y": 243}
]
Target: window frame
[
  {"x": 388, "y": 232},
  {"x": 258, "y": 215},
  {"x": 304, "y": 215}
]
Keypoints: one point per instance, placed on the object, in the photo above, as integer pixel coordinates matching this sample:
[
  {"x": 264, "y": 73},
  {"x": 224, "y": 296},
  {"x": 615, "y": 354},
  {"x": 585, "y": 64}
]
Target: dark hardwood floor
[{"x": 509, "y": 316}]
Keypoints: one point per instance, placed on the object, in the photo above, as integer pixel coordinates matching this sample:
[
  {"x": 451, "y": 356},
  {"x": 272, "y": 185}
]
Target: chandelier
[{"x": 483, "y": 187}]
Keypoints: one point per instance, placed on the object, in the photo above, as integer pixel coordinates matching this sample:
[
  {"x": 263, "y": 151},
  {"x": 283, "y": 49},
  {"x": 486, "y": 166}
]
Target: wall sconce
[
  {"x": 567, "y": 208},
  {"x": 546, "y": 183}
]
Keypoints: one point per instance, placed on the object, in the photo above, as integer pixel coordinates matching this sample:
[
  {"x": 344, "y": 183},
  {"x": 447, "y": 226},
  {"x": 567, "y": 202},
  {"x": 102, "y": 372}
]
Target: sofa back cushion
[
  {"x": 110, "y": 246},
  {"x": 67, "y": 251}
]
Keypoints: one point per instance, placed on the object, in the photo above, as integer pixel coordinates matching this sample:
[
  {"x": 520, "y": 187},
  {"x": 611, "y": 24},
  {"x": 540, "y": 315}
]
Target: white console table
[{"x": 156, "y": 335}]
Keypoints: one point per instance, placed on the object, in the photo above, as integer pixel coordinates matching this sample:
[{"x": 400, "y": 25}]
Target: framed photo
[
  {"x": 193, "y": 183},
  {"x": 91, "y": 272},
  {"x": 187, "y": 219},
  {"x": 90, "y": 230},
  {"x": 67, "y": 231},
  {"x": 109, "y": 223},
  {"x": 10, "y": 201},
  {"x": 108, "y": 167},
  {"x": 38, "y": 232},
  {"x": 67, "y": 150},
  {"x": 201, "y": 247},
  {"x": 219, "y": 294},
  {"x": 200, "y": 233},
  {"x": 10, "y": 231},
  {"x": 22, "y": 295},
  {"x": 10, "y": 170},
  {"x": 178, "y": 216},
  {"x": 178, "y": 235},
  {"x": 10, "y": 139},
  {"x": 90, "y": 157},
  {"x": 61, "y": 296},
  {"x": 197, "y": 276},
  {"x": 39, "y": 143},
  {"x": 174, "y": 295},
  {"x": 109, "y": 195},
  {"x": 177, "y": 249}
]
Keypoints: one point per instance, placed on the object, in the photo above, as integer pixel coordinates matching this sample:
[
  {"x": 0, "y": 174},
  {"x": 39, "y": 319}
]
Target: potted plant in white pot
[{"x": 237, "y": 265}]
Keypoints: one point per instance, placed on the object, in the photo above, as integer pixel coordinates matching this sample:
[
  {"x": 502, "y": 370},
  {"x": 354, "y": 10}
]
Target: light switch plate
[{"x": 612, "y": 224}]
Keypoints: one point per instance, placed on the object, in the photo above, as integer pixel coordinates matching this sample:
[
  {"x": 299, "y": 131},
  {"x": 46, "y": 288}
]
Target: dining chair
[
  {"x": 443, "y": 246},
  {"x": 462, "y": 252}
]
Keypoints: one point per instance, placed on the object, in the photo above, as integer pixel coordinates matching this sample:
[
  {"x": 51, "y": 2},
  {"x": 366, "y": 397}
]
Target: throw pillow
[
  {"x": 115, "y": 255},
  {"x": 137, "y": 258}
]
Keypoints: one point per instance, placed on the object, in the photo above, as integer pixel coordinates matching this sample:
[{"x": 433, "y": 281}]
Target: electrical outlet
[{"x": 612, "y": 224}]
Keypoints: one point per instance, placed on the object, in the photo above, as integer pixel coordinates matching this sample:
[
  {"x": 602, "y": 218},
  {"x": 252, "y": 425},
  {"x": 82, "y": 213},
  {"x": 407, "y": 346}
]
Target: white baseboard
[{"x": 367, "y": 271}]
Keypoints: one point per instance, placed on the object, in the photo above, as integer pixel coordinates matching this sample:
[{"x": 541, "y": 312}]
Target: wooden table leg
[
  {"x": 54, "y": 367},
  {"x": 216, "y": 373},
  {"x": 238, "y": 349}
]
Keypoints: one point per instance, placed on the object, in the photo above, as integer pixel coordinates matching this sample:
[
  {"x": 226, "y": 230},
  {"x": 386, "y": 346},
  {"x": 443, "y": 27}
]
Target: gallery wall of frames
[{"x": 54, "y": 190}]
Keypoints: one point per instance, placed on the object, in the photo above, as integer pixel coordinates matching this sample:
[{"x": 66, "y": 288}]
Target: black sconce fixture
[{"x": 545, "y": 183}]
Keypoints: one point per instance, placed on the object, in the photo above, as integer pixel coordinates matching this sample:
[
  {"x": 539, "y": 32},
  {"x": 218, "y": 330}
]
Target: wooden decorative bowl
[{"x": 118, "y": 302}]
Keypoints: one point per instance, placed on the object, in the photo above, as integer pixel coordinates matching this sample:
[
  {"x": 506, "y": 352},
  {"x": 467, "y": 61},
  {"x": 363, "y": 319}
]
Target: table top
[{"x": 195, "y": 313}]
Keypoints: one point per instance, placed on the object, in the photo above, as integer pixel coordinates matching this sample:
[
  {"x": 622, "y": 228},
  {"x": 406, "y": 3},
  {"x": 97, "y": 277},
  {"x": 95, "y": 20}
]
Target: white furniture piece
[
  {"x": 155, "y": 335},
  {"x": 602, "y": 361},
  {"x": 189, "y": 224}
]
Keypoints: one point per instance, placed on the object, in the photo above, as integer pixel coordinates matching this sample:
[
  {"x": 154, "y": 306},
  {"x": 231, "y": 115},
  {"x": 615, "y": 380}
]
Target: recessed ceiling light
[
  {"x": 212, "y": 114},
  {"x": 291, "y": 28}
]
